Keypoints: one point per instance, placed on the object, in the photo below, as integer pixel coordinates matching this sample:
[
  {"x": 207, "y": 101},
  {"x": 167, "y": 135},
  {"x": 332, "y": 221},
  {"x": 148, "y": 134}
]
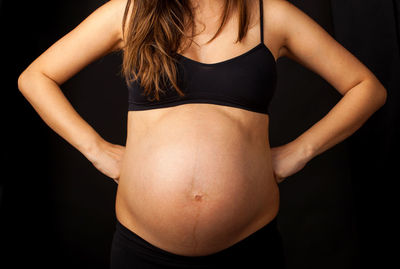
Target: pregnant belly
[{"x": 197, "y": 189}]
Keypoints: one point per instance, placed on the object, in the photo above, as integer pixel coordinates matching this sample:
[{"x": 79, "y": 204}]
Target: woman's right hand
[{"x": 108, "y": 159}]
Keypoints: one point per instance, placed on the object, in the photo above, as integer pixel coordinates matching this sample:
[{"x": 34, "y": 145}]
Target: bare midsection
[{"x": 197, "y": 178}]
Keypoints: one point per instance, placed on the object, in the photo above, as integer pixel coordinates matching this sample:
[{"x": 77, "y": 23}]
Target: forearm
[
  {"x": 53, "y": 107},
  {"x": 348, "y": 115}
]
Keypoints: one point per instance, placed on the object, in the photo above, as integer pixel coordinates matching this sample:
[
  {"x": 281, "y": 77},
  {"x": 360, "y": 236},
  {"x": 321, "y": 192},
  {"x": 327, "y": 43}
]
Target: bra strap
[{"x": 261, "y": 21}]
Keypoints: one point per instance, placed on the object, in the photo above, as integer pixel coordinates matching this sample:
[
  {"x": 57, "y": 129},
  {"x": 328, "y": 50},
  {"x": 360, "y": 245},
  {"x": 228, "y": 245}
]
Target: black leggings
[{"x": 262, "y": 249}]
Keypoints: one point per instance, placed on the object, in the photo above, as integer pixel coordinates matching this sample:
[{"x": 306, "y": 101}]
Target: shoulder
[
  {"x": 118, "y": 6},
  {"x": 280, "y": 14},
  {"x": 286, "y": 20},
  {"x": 109, "y": 16},
  {"x": 276, "y": 13},
  {"x": 117, "y": 9},
  {"x": 279, "y": 10}
]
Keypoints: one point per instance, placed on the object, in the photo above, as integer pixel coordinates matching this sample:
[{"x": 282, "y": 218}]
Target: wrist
[
  {"x": 306, "y": 149},
  {"x": 91, "y": 147}
]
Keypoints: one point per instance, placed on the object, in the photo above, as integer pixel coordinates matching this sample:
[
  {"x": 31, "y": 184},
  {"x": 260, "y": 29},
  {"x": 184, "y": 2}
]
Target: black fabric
[
  {"x": 261, "y": 249},
  {"x": 370, "y": 30},
  {"x": 247, "y": 81}
]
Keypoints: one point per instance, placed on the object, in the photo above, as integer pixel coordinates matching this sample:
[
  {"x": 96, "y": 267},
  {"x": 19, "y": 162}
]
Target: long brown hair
[{"x": 154, "y": 33}]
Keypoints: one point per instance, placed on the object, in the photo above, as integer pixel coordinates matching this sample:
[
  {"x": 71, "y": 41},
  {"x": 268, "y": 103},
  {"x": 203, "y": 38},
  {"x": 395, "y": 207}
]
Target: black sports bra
[{"x": 247, "y": 81}]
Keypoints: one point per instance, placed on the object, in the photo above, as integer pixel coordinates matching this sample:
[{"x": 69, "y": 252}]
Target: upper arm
[
  {"x": 99, "y": 34},
  {"x": 307, "y": 43}
]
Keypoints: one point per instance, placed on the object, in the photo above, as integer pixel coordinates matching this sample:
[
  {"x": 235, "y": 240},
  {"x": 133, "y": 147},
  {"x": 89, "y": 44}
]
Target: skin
[{"x": 200, "y": 178}]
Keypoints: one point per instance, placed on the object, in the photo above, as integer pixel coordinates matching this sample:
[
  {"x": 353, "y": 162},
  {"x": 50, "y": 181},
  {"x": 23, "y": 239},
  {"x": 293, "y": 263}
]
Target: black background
[{"x": 57, "y": 210}]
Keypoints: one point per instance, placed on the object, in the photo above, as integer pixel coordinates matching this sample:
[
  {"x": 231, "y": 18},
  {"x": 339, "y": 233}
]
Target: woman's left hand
[{"x": 287, "y": 160}]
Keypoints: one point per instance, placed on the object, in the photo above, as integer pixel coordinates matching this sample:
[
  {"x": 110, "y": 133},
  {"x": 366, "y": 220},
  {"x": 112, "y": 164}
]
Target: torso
[{"x": 197, "y": 178}]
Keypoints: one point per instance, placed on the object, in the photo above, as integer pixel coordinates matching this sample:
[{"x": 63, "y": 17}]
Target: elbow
[
  {"x": 378, "y": 92},
  {"x": 23, "y": 80},
  {"x": 30, "y": 78},
  {"x": 381, "y": 95},
  {"x": 27, "y": 78},
  {"x": 384, "y": 95}
]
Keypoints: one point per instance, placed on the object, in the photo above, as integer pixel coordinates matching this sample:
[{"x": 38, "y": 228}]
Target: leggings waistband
[{"x": 262, "y": 243}]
